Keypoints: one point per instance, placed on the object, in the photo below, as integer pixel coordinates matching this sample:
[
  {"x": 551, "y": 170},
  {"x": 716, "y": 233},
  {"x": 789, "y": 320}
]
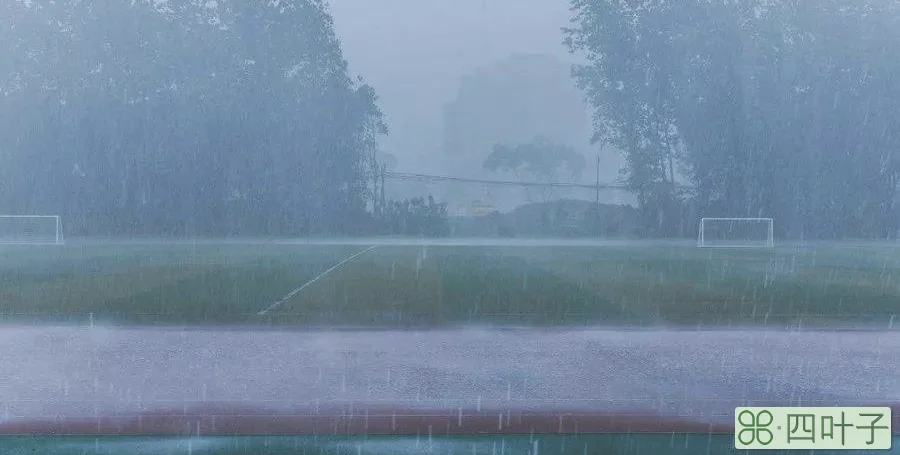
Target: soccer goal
[
  {"x": 30, "y": 229},
  {"x": 736, "y": 232}
]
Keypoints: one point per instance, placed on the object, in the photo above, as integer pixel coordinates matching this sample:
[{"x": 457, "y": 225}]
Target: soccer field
[{"x": 383, "y": 284}]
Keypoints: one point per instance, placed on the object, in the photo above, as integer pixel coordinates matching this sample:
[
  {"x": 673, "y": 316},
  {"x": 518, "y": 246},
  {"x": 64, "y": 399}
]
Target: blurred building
[{"x": 513, "y": 101}]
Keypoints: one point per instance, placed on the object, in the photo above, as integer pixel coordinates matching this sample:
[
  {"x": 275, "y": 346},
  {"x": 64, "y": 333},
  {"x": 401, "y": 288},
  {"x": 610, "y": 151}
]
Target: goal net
[
  {"x": 736, "y": 232},
  {"x": 30, "y": 229}
]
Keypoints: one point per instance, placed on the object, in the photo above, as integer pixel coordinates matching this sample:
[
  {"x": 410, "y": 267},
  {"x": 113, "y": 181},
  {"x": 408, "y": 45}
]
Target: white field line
[{"x": 295, "y": 291}]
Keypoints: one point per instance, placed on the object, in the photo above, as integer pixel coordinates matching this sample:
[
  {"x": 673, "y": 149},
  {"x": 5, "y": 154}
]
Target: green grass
[
  {"x": 178, "y": 284},
  {"x": 411, "y": 286},
  {"x": 733, "y": 287}
]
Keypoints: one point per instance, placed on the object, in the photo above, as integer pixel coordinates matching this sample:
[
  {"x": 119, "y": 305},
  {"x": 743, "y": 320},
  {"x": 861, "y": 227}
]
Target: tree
[
  {"x": 629, "y": 79},
  {"x": 512, "y": 101},
  {"x": 542, "y": 158},
  {"x": 769, "y": 108},
  {"x": 416, "y": 217},
  {"x": 183, "y": 118}
]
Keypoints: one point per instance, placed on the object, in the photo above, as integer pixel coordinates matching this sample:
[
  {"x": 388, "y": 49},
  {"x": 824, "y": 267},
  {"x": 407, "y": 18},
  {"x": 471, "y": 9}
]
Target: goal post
[
  {"x": 736, "y": 232},
  {"x": 30, "y": 229}
]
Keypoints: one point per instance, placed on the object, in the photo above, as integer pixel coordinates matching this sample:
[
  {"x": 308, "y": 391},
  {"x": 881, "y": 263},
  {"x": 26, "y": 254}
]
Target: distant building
[{"x": 515, "y": 100}]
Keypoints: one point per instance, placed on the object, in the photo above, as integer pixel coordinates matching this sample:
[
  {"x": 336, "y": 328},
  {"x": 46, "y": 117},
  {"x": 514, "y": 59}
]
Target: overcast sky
[{"x": 415, "y": 51}]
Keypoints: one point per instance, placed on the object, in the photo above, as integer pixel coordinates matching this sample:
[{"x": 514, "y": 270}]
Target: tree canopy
[
  {"x": 182, "y": 117},
  {"x": 542, "y": 158},
  {"x": 778, "y": 109}
]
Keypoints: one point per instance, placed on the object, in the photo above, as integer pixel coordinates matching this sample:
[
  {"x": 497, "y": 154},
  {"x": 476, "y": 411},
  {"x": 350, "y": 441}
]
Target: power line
[{"x": 446, "y": 178}]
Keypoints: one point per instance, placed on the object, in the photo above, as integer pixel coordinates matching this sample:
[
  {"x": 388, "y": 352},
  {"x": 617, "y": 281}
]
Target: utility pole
[
  {"x": 598, "y": 179},
  {"x": 383, "y": 171},
  {"x": 376, "y": 210}
]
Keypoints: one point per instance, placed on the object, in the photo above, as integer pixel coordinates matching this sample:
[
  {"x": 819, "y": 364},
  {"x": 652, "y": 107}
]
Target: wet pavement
[{"x": 69, "y": 373}]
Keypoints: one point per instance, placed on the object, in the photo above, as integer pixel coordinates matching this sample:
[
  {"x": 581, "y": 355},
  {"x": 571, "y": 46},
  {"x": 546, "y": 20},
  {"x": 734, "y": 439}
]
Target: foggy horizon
[
  {"x": 415, "y": 78},
  {"x": 553, "y": 227}
]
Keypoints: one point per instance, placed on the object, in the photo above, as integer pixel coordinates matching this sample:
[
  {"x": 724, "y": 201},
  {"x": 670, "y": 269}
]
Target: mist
[
  {"x": 416, "y": 77},
  {"x": 475, "y": 118},
  {"x": 511, "y": 218}
]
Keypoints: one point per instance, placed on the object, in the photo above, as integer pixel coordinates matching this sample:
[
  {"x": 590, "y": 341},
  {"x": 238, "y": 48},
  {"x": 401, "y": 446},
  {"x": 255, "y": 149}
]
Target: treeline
[
  {"x": 417, "y": 216},
  {"x": 559, "y": 218},
  {"x": 783, "y": 109},
  {"x": 182, "y": 118}
]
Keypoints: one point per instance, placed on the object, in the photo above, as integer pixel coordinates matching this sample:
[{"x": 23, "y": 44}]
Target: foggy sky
[{"x": 414, "y": 53}]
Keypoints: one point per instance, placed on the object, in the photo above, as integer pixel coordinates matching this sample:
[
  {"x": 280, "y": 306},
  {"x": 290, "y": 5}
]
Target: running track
[{"x": 190, "y": 381}]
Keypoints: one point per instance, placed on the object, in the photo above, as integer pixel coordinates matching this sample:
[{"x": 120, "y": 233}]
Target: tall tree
[
  {"x": 512, "y": 101},
  {"x": 771, "y": 108},
  {"x": 183, "y": 117},
  {"x": 541, "y": 158}
]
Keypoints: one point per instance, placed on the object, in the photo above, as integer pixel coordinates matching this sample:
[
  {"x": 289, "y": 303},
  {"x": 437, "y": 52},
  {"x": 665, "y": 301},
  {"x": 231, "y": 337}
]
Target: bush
[
  {"x": 506, "y": 231},
  {"x": 415, "y": 217}
]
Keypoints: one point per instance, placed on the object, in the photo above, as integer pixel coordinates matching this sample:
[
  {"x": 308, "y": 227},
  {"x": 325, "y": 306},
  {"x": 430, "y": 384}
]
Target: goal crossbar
[{"x": 30, "y": 229}]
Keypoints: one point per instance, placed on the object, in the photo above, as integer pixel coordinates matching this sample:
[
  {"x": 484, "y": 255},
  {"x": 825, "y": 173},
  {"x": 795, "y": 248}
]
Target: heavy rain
[{"x": 446, "y": 227}]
